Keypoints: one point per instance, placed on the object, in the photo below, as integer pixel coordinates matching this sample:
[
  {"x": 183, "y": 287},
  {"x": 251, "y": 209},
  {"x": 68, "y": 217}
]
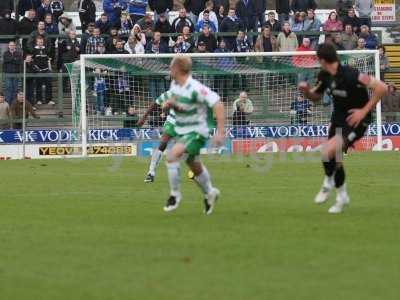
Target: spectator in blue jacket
[
  {"x": 371, "y": 41},
  {"x": 50, "y": 26},
  {"x": 100, "y": 90},
  {"x": 137, "y": 9},
  {"x": 113, "y": 9},
  {"x": 312, "y": 24},
  {"x": 206, "y": 21},
  {"x": 124, "y": 26},
  {"x": 300, "y": 109}
]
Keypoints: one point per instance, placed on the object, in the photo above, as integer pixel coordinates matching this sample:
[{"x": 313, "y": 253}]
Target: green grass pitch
[{"x": 91, "y": 229}]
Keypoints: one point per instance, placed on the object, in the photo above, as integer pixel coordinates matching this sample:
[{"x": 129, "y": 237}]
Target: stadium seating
[{"x": 393, "y": 53}]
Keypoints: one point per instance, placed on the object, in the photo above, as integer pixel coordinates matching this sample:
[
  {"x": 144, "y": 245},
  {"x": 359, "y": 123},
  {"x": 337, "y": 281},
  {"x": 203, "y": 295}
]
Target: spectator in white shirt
[
  {"x": 212, "y": 16},
  {"x": 134, "y": 45},
  {"x": 137, "y": 31},
  {"x": 242, "y": 108}
]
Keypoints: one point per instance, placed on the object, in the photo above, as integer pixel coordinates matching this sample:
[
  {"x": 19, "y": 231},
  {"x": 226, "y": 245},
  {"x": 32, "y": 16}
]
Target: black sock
[
  {"x": 329, "y": 167},
  {"x": 339, "y": 176}
]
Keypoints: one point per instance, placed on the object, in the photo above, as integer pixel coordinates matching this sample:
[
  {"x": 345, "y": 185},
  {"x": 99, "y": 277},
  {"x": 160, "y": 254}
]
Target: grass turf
[{"x": 91, "y": 229}]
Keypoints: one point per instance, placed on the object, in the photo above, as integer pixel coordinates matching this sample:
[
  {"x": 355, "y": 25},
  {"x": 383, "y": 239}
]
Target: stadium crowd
[{"x": 50, "y": 38}]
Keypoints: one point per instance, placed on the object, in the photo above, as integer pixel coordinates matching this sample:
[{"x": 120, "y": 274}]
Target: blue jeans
[
  {"x": 100, "y": 98},
  {"x": 11, "y": 88}
]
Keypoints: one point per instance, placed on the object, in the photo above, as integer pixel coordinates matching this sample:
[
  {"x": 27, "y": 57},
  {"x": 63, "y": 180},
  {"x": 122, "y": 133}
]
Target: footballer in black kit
[
  {"x": 347, "y": 94},
  {"x": 352, "y": 106}
]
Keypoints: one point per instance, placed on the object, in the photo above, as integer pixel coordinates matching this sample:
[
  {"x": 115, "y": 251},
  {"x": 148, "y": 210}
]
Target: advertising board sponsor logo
[
  {"x": 146, "y": 148},
  {"x": 130, "y": 135},
  {"x": 91, "y": 150},
  {"x": 276, "y": 145},
  {"x": 110, "y": 150},
  {"x": 251, "y": 146},
  {"x": 59, "y": 151}
]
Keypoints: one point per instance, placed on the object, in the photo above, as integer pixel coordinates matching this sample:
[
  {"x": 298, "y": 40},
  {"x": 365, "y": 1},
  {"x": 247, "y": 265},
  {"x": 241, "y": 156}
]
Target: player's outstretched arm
[
  {"x": 379, "y": 89},
  {"x": 146, "y": 114},
  {"x": 309, "y": 93},
  {"x": 218, "y": 109}
]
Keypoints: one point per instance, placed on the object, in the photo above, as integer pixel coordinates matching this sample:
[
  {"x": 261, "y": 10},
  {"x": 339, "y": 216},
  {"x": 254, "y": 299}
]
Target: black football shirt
[{"x": 346, "y": 91}]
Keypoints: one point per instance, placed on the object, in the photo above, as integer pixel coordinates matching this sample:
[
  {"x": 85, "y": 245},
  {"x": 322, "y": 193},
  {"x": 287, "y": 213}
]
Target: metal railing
[{"x": 194, "y": 34}]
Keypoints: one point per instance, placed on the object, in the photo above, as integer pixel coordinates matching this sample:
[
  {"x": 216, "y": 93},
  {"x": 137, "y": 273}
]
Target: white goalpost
[{"x": 111, "y": 91}]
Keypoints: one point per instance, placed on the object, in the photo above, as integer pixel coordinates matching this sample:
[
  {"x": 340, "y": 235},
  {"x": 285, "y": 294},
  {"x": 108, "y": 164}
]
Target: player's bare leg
[
  {"x": 203, "y": 179},
  {"x": 174, "y": 176},
  {"x": 156, "y": 158}
]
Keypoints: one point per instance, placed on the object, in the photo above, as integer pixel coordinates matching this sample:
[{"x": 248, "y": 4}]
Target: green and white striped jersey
[
  {"x": 160, "y": 101},
  {"x": 195, "y": 101}
]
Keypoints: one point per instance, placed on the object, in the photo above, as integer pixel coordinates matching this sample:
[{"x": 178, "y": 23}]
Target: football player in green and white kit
[
  {"x": 168, "y": 134},
  {"x": 191, "y": 102}
]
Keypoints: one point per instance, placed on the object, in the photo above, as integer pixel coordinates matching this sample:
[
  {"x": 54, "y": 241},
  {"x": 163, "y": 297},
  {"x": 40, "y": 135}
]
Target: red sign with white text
[{"x": 247, "y": 146}]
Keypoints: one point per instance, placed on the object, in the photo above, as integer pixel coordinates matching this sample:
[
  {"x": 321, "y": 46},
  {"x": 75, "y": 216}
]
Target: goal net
[{"x": 264, "y": 110}]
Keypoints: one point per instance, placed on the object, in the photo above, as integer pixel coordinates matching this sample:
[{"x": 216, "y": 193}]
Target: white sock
[
  {"x": 155, "y": 161},
  {"x": 342, "y": 191},
  {"x": 204, "y": 181},
  {"x": 174, "y": 177},
  {"x": 329, "y": 182}
]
